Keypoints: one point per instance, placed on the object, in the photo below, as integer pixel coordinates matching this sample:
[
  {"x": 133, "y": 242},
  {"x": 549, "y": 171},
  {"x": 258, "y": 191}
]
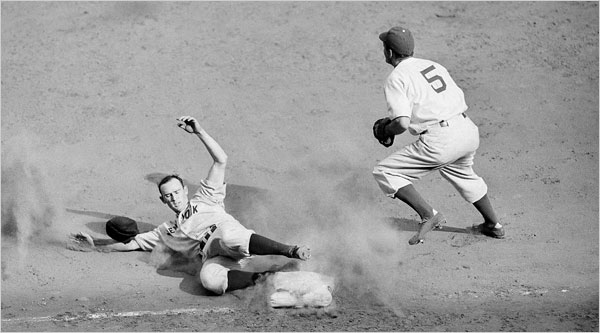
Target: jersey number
[{"x": 434, "y": 78}]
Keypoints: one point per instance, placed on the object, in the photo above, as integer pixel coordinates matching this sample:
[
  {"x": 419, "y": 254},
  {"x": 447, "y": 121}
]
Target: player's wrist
[{"x": 201, "y": 133}]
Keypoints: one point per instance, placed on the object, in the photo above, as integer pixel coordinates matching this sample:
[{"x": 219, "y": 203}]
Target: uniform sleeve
[
  {"x": 210, "y": 194},
  {"x": 148, "y": 240},
  {"x": 396, "y": 97}
]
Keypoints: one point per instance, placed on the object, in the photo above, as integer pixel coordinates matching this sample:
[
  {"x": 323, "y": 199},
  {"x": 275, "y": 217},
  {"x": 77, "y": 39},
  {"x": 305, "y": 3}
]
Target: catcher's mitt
[{"x": 379, "y": 132}]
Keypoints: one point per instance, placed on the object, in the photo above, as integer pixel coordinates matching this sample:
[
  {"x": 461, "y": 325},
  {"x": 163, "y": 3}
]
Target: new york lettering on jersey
[
  {"x": 172, "y": 229},
  {"x": 184, "y": 216},
  {"x": 191, "y": 210}
]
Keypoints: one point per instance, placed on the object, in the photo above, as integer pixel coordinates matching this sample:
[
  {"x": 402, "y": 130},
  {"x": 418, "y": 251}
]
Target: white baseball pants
[
  {"x": 226, "y": 248},
  {"x": 450, "y": 150}
]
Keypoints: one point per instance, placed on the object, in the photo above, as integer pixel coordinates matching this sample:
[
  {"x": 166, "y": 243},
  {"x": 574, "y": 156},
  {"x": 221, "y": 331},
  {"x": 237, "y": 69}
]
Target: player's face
[{"x": 175, "y": 195}]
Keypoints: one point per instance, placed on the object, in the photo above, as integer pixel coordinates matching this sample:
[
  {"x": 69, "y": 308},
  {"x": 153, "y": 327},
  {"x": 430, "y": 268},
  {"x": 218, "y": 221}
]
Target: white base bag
[{"x": 301, "y": 289}]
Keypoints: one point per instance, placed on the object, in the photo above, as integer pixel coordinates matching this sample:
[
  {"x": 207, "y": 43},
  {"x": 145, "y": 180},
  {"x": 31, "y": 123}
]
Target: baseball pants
[
  {"x": 224, "y": 251},
  {"x": 450, "y": 150}
]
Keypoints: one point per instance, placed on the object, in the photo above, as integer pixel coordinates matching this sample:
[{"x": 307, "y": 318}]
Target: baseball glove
[{"x": 379, "y": 132}]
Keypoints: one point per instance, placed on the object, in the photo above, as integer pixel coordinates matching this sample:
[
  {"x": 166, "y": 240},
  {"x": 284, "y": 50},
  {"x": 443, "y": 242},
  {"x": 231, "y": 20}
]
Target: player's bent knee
[
  {"x": 214, "y": 278},
  {"x": 390, "y": 182}
]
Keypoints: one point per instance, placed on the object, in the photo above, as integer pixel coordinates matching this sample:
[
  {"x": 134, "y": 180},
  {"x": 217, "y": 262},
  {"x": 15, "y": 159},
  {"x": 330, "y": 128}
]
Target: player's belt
[
  {"x": 206, "y": 236},
  {"x": 445, "y": 123}
]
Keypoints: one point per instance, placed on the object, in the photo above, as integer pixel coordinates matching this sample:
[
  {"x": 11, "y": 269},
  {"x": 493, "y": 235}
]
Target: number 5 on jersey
[{"x": 441, "y": 86}]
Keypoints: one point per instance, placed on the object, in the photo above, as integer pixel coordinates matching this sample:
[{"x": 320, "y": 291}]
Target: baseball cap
[
  {"x": 399, "y": 39},
  {"x": 121, "y": 229}
]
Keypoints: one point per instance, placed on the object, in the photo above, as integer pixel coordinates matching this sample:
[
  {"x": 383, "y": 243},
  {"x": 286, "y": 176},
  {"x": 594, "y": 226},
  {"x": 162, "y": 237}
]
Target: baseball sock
[
  {"x": 484, "y": 206},
  {"x": 261, "y": 245},
  {"x": 240, "y": 279},
  {"x": 409, "y": 195}
]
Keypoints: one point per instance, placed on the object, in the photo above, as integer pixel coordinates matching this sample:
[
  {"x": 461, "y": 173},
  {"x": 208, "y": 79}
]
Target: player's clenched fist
[{"x": 189, "y": 124}]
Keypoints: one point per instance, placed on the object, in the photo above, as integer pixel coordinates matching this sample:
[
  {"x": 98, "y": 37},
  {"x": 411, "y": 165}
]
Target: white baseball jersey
[
  {"x": 423, "y": 91},
  {"x": 185, "y": 234}
]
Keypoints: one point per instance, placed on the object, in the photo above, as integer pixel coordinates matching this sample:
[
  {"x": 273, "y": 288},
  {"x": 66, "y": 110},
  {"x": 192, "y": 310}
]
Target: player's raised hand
[{"x": 189, "y": 124}]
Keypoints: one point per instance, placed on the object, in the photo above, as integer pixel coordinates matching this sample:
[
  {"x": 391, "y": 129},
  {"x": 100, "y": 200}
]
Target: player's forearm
[
  {"x": 397, "y": 126},
  {"x": 214, "y": 149},
  {"x": 110, "y": 245},
  {"x": 117, "y": 247},
  {"x": 120, "y": 247}
]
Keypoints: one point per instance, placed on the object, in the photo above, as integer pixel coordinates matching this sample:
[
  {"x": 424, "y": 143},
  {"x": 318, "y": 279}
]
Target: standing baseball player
[
  {"x": 423, "y": 99},
  {"x": 202, "y": 227}
]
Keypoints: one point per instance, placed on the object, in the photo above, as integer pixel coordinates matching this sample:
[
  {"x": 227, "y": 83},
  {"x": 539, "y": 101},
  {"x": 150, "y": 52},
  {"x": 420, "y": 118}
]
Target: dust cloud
[
  {"x": 339, "y": 215},
  {"x": 29, "y": 207}
]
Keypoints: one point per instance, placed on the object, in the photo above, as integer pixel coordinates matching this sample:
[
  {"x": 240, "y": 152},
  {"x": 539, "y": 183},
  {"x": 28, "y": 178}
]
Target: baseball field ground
[{"x": 90, "y": 96}]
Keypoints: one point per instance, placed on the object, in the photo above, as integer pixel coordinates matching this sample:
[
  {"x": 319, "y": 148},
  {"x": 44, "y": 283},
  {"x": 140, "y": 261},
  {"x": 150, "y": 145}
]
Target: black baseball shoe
[
  {"x": 299, "y": 252},
  {"x": 490, "y": 230}
]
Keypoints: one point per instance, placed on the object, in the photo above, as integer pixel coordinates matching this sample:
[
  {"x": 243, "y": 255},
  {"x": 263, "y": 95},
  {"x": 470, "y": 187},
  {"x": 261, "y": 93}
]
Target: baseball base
[{"x": 301, "y": 289}]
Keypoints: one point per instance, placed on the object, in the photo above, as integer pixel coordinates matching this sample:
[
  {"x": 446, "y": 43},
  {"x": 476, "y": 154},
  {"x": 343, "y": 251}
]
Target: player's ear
[
  {"x": 388, "y": 53},
  {"x": 162, "y": 199},
  {"x": 185, "y": 190}
]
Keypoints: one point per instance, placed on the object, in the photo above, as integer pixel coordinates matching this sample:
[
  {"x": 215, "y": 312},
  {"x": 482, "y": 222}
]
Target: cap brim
[{"x": 383, "y": 36}]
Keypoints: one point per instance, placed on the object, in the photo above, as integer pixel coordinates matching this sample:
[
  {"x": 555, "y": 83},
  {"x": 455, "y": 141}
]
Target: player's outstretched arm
[
  {"x": 85, "y": 242},
  {"x": 216, "y": 174}
]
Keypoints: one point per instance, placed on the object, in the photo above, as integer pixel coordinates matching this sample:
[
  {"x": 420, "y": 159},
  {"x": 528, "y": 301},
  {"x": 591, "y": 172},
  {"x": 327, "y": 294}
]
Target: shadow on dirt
[
  {"x": 100, "y": 226},
  {"x": 91, "y": 213},
  {"x": 413, "y": 225},
  {"x": 189, "y": 283}
]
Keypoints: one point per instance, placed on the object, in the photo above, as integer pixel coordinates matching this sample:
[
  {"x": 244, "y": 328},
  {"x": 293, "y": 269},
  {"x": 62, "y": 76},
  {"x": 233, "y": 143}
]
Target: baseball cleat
[
  {"x": 490, "y": 231},
  {"x": 426, "y": 226},
  {"x": 300, "y": 252}
]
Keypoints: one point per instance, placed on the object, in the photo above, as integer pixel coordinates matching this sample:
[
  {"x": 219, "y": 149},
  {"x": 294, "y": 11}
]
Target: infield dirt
[{"x": 91, "y": 91}]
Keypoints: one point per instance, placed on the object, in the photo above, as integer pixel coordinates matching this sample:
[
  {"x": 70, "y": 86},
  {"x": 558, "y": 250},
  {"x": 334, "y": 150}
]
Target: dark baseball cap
[
  {"x": 399, "y": 39},
  {"x": 122, "y": 229}
]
